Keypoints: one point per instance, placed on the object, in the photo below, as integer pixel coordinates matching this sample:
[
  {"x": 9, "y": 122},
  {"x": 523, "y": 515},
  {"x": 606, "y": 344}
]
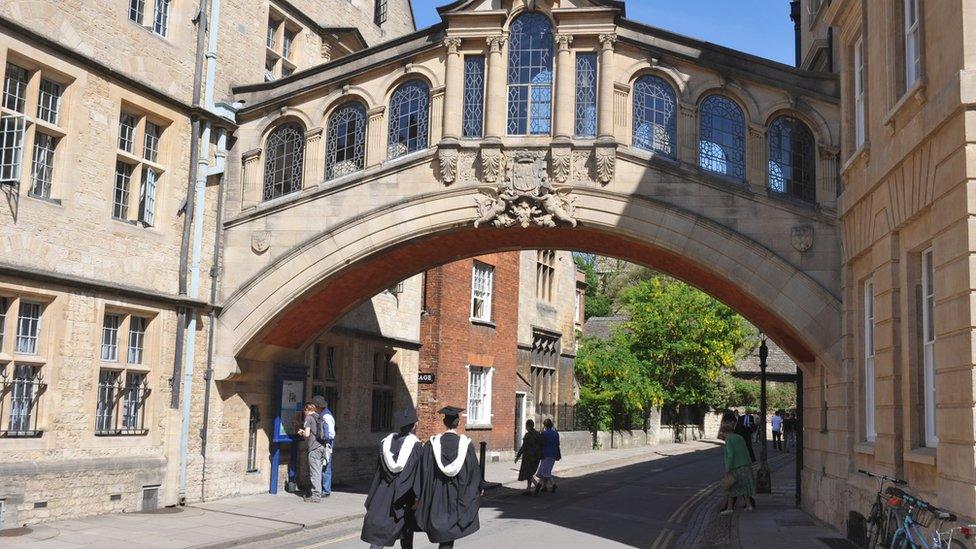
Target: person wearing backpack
[{"x": 315, "y": 432}]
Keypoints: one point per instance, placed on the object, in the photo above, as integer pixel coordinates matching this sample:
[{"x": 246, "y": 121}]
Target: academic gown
[
  {"x": 391, "y": 497},
  {"x": 448, "y": 507}
]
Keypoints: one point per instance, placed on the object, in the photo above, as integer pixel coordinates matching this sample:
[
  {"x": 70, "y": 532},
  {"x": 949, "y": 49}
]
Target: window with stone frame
[
  {"x": 324, "y": 374},
  {"x": 345, "y": 140},
  {"x": 284, "y": 159},
  {"x": 138, "y": 166},
  {"x": 859, "y": 110},
  {"x": 792, "y": 159},
  {"x": 530, "y": 57},
  {"x": 930, "y": 435},
  {"x": 123, "y": 376},
  {"x": 282, "y": 45},
  {"x": 586, "y": 82},
  {"x": 868, "y": 371},
  {"x": 479, "y": 396},
  {"x": 722, "y": 137},
  {"x": 543, "y": 361},
  {"x": 545, "y": 275},
  {"x": 22, "y": 361},
  {"x": 154, "y": 15},
  {"x": 655, "y": 112},
  {"x": 381, "y": 413},
  {"x": 473, "y": 112},
  {"x": 380, "y": 12},
  {"x": 31, "y": 127},
  {"x": 482, "y": 283},
  {"x": 160, "y": 23},
  {"x": 409, "y": 119},
  {"x": 912, "y": 18}
]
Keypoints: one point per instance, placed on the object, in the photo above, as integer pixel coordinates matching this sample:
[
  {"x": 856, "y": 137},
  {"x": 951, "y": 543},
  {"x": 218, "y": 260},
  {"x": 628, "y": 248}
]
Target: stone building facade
[{"x": 96, "y": 127}]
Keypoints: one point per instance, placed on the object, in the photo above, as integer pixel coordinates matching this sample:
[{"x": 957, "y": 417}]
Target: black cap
[
  {"x": 450, "y": 411},
  {"x": 404, "y": 417}
]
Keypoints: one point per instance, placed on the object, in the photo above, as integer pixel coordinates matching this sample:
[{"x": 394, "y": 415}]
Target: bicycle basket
[{"x": 923, "y": 516}]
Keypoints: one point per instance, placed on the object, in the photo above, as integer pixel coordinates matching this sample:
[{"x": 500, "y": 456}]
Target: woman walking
[
  {"x": 530, "y": 453},
  {"x": 739, "y": 480},
  {"x": 550, "y": 455}
]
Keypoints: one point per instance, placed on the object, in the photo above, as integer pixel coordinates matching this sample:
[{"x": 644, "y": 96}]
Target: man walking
[
  {"x": 777, "y": 425},
  {"x": 329, "y": 431},
  {"x": 745, "y": 427}
]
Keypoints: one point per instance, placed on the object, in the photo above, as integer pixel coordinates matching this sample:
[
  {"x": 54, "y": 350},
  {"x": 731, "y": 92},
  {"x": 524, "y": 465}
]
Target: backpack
[{"x": 320, "y": 429}]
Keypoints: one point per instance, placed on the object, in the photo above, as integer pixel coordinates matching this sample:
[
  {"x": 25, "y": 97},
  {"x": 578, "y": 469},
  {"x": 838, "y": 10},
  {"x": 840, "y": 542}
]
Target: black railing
[
  {"x": 563, "y": 416},
  {"x": 23, "y": 393},
  {"x": 122, "y": 405}
]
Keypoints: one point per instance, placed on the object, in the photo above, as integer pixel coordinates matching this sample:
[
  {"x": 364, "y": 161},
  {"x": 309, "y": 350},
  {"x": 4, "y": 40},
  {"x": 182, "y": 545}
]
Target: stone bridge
[{"x": 532, "y": 124}]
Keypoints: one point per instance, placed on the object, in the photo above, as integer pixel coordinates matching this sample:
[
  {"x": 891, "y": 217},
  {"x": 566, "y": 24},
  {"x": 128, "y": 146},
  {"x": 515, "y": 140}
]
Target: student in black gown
[
  {"x": 389, "y": 506},
  {"x": 448, "y": 487}
]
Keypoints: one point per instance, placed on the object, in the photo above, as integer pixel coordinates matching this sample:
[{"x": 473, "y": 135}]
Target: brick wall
[{"x": 451, "y": 341}]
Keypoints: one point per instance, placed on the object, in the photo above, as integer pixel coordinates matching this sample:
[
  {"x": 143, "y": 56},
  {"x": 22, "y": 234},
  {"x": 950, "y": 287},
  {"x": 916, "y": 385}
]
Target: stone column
[
  {"x": 437, "y": 118},
  {"x": 605, "y": 128},
  {"x": 314, "y": 158},
  {"x": 687, "y": 134},
  {"x": 375, "y": 136},
  {"x": 757, "y": 163},
  {"x": 827, "y": 176},
  {"x": 453, "y": 90},
  {"x": 565, "y": 78},
  {"x": 250, "y": 178},
  {"x": 495, "y": 93}
]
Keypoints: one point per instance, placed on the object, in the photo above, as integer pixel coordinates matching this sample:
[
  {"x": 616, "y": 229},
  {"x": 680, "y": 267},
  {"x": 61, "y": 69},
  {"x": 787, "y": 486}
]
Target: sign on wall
[{"x": 426, "y": 378}]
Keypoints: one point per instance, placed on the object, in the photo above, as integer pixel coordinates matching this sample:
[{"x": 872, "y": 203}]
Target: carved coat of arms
[
  {"x": 526, "y": 197},
  {"x": 801, "y": 237}
]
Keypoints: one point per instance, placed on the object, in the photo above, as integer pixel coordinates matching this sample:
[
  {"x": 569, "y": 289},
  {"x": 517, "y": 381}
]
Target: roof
[
  {"x": 459, "y": 5},
  {"x": 778, "y": 362},
  {"x": 601, "y": 327}
]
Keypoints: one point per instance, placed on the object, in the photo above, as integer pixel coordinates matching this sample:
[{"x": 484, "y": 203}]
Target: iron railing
[
  {"x": 24, "y": 390},
  {"x": 122, "y": 405}
]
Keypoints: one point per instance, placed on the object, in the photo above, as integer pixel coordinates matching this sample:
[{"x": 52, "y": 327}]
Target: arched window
[
  {"x": 346, "y": 141},
  {"x": 530, "y": 75},
  {"x": 792, "y": 159},
  {"x": 284, "y": 154},
  {"x": 722, "y": 137},
  {"x": 655, "y": 120},
  {"x": 409, "y": 115}
]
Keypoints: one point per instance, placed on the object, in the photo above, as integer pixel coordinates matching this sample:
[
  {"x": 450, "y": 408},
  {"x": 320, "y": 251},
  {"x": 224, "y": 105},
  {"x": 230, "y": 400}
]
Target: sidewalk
[
  {"x": 776, "y": 523},
  {"x": 250, "y": 519}
]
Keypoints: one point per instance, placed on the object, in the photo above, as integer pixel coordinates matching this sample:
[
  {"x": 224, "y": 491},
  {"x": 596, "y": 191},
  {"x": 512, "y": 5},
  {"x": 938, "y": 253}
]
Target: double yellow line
[{"x": 679, "y": 515}]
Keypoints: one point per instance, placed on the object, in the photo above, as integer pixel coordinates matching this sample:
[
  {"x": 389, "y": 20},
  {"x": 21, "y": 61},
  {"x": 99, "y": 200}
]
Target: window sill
[
  {"x": 45, "y": 200},
  {"x": 913, "y": 96},
  {"x": 21, "y": 434},
  {"x": 477, "y": 427},
  {"x": 866, "y": 448},
  {"x": 922, "y": 456},
  {"x": 863, "y": 151},
  {"x": 140, "y": 433},
  {"x": 480, "y": 322}
]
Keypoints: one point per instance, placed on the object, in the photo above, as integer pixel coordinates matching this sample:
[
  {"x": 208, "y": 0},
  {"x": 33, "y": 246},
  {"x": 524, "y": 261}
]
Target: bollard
[{"x": 484, "y": 452}]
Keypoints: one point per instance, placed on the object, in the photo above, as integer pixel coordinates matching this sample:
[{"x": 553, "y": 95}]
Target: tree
[
  {"x": 683, "y": 338},
  {"x": 597, "y": 303}
]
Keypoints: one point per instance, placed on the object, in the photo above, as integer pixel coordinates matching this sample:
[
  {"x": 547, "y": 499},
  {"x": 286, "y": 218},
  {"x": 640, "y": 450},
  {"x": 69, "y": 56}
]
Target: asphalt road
[{"x": 645, "y": 503}]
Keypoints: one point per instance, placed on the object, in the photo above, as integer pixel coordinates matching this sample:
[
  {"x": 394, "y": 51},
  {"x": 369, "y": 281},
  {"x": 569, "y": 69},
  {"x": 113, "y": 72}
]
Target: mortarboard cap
[
  {"x": 450, "y": 411},
  {"x": 404, "y": 417}
]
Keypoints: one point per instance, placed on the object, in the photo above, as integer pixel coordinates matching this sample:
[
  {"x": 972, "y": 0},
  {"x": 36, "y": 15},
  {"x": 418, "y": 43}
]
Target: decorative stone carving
[
  {"x": 606, "y": 164},
  {"x": 564, "y": 41},
  {"x": 562, "y": 163},
  {"x": 447, "y": 159},
  {"x": 582, "y": 166},
  {"x": 801, "y": 237},
  {"x": 452, "y": 44},
  {"x": 495, "y": 43},
  {"x": 260, "y": 241},
  {"x": 466, "y": 166},
  {"x": 491, "y": 164},
  {"x": 527, "y": 197},
  {"x": 608, "y": 41}
]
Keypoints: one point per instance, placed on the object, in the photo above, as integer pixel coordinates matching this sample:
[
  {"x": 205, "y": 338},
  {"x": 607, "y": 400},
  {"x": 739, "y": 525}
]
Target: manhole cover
[
  {"x": 796, "y": 523},
  {"x": 837, "y": 543},
  {"x": 163, "y": 511},
  {"x": 15, "y": 532}
]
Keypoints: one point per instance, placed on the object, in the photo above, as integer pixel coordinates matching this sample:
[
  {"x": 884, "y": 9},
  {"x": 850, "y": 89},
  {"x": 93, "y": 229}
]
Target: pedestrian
[
  {"x": 739, "y": 480},
  {"x": 745, "y": 427},
  {"x": 390, "y": 503},
  {"x": 329, "y": 428},
  {"x": 312, "y": 431},
  {"x": 789, "y": 430},
  {"x": 777, "y": 425},
  {"x": 448, "y": 485},
  {"x": 550, "y": 455},
  {"x": 530, "y": 453}
]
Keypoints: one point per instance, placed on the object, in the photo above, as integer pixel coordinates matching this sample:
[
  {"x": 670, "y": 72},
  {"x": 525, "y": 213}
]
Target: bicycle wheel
[
  {"x": 900, "y": 541},
  {"x": 955, "y": 543},
  {"x": 873, "y": 526}
]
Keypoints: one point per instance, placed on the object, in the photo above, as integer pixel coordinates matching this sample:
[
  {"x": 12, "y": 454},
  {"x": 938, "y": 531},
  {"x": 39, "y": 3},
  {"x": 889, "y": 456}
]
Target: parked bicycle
[
  {"x": 919, "y": 515},
  {"x": 883, "y": 520}
]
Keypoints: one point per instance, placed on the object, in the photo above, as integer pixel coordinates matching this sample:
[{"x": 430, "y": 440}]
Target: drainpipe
[{"x": 193, "y": 290}]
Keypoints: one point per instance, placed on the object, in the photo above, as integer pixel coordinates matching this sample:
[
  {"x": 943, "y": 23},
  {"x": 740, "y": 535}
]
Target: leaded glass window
[
  {"x": 586, "y": 95},
  {"x": 721, "y": 145},
  {"x": 161, "y": 17},
  {"x": 283, "y": 158},
  {"x": 473, "y": 117},
  {"x": 136, "y": 9},
  {"x": 409, "y": 119},
  {"x": 792, "y": 159},
  {"x": 28, "y": 328},
  {"x": 120, "y": 198},
  {"x": 150, "y": 145},
  {"x": 379, "y": 12},
  {"x": 530, "y": 75},
  {"x": 15, "y": 88},
  {"x": 49, "y": 101},
  {"x": 42, "y": 168},
  {"x": 655, "y": 120},
  {"x": 346, "y": 141},
  {"x": 147, "y": 196},
  {"x": 127, "y": 132}
]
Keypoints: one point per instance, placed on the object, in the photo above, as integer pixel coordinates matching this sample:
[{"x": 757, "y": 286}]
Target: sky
[{"x": 759, "y": 27}]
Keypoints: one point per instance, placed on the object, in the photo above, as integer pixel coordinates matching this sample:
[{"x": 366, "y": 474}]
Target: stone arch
[
  {"x": 340, "y": 97},
  {"x": 742, "y": 96},
  {"x": 275, "y": 119},
  {"x": 643, "y": 68},
  {"x": 540, "y": 8},
  {"x": 412, "y": 72},
  {"x": 802, "y": 111},
  {"x": 301, "y": 289}
]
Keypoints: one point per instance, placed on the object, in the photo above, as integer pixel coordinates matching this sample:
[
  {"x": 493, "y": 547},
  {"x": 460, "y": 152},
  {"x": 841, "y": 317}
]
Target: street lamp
[{"x": 763, "y": 479}]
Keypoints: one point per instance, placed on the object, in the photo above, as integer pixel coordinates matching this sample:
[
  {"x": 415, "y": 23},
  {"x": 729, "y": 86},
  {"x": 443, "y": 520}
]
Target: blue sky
[{"x": 759, "y": 27}]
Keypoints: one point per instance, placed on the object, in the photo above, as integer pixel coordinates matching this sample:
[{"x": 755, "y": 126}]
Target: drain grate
[{"x": 15, "y": 532}]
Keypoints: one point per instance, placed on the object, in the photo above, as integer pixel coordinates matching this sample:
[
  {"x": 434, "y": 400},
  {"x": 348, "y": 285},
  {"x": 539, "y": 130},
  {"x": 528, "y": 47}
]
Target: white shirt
[
  {"x": 329, "y": 420},
  {"x": 777, "y": 423}
]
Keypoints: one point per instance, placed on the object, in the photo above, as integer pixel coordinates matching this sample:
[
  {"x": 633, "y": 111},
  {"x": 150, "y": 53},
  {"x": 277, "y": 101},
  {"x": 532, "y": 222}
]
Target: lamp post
[{"x": 763, "y": 480}]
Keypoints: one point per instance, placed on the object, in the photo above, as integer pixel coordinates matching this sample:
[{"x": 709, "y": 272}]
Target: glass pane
[
  {"x": 15, "y": 88},
  {"x": 346, "y": 141},
  {"x": 530, "y": 53},
  {"x": 409, "y": 119},
  {"x": 283, "y": 158},
  {"x": 655, "y": 120},
  {"x": 137, "y": 337},
  {"x": 110, "y": 338},
  {"x": 474, "y": 91},
  {"x": 792, "y": 159},
  {"x": 28, "y": 328},
  {"x": 722, "y": 137},
  {"x": 586, "y": 94},
  {"x": 42, "y": 165}
]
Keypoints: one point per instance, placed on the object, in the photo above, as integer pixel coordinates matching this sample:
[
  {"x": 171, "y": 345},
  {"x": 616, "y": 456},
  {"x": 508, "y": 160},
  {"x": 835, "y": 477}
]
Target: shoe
[
  {"x": 538, "y": 489},
  {"x": 327, "y": 495},
  {"x": 725, "y": 512},
  {"x": 310, "y": 499}
]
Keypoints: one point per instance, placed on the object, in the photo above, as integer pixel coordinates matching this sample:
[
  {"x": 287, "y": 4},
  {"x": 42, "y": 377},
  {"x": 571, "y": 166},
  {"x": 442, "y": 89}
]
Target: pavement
[{"x": 653, "y": 496}]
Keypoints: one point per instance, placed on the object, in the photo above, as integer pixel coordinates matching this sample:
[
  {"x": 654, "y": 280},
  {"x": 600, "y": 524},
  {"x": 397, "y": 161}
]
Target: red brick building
[{"x": 469, "y": 341}]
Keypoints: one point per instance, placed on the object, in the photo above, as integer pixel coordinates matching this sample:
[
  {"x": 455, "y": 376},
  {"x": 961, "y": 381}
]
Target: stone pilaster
[
  {"x": 314, "y": 158},
  {"x": 250, "y": 178},
  {"x": 495, "y": 93},
  {"x": 757, "y": 154},
  {"x": 375, "y": 136},
  {"x": 621, "y": 112},
  {"x": 687, "y": 134},
  {"x": 605, "y": 126},
  {"x": 437, "y": 120},
  {"x": 827, "y": 175},
  {"x": 453, "y": 90},
  {"x": 565, "y": 80}
]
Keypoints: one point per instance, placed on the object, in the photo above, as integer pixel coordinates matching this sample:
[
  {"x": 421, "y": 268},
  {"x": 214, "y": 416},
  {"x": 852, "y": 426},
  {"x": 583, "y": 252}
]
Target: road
[{"x": 644, "y": 502}]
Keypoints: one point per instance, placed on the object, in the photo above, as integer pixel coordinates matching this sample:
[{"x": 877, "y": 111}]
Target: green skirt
[{"x": 745, "y": 482}]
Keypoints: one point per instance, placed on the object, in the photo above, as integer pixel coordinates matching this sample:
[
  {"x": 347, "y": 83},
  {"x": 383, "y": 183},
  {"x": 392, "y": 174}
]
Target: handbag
[{"x": 728, "y": 481}]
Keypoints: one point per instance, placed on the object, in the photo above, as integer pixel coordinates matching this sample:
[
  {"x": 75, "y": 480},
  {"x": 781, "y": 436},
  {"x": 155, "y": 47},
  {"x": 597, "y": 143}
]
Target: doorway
[{"x": 519, "y": 418}]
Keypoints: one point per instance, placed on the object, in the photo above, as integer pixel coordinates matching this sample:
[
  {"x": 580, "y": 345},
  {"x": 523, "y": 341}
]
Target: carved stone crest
[
  {"x": 801, "y": 237},
  {"x": 447, "y": 159},
  {"x": 260, "y": 241},
  {"x": 526, "y": 197}
]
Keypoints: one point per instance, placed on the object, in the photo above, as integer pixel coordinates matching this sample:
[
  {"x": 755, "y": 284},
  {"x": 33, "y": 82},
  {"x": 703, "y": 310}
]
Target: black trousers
[{"x": 778, "y": 440}]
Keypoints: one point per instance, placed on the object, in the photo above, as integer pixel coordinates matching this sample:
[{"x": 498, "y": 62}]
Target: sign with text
[{"x": 426, "y": 378}]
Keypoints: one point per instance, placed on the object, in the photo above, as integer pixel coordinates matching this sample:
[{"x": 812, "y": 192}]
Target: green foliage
[
  {"x": 683, "y": 338},
  {"x": 597, "y": 302},
  {"x": 740, "y": 393},
  {"x": 613, "y": 383}
]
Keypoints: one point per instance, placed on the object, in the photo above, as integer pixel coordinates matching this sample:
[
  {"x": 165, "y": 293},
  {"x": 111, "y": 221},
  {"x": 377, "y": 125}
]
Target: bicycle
[
  {"x": 920, "y": 515},
  {"x": 879, "y": 522}
]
